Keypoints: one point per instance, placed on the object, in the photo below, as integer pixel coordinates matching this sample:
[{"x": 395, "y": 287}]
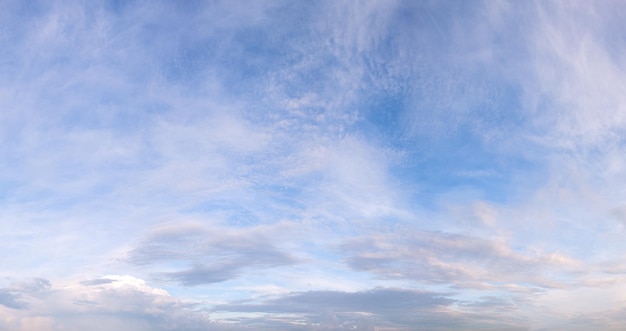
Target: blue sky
[{"x": 327, "y": 165}]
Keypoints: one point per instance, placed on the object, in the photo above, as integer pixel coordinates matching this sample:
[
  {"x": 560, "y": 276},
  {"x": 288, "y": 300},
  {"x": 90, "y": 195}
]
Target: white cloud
[{"x": 110, "y": 302}]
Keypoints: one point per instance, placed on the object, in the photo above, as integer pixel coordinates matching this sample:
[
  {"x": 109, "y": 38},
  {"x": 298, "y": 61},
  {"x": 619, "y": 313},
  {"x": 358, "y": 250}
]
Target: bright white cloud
[{"x": 99, "y": 304}]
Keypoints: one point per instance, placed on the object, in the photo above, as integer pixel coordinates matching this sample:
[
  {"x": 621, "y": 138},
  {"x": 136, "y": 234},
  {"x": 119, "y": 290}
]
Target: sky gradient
[{"x": 312, "y": 165}]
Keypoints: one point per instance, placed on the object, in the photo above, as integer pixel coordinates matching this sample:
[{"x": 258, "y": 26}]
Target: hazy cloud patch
[
  {"x": 215, "y": 254},
  {"x": 438, "y": 257}
]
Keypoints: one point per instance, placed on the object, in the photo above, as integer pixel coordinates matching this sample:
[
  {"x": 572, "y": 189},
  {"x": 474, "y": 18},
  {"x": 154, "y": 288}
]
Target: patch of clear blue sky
[
  {"x": 462, "y": 156},
  {"x": 242, "y": 57}
]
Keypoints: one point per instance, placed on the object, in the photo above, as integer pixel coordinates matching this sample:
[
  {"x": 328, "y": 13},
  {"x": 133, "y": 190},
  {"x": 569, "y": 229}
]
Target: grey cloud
[
  {"x": 215, "y": 254},
  {"x": 32, "y": 286},
  {"x": 16, "y": 296},
  {"x": 493, "y": 305},
  {"x": 338, "y": 310},
  {"x": 200, "y": 274},
  {"x": 376, "y": 300},
  {"x": 223, "y": 269},
  {"x": 95, "y": 282},
  {"x": 11, "y": 300},
  {"x": 398, "y": 309}
]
